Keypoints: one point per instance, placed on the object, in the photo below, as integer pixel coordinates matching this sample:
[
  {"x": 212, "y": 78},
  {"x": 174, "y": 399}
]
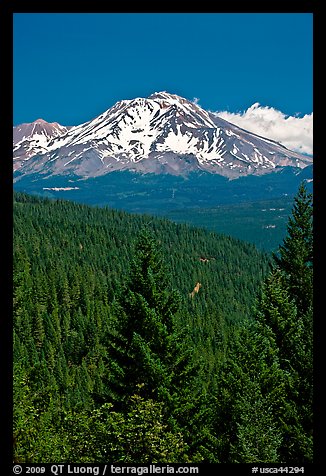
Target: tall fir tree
[
  {"x": 286, "y": 307},
  {"x": 146, "y": 353},
  {"x": 295, "y": 255},
  {"x": 264, "y": 397},
  {"x": 250, "y": 390}
]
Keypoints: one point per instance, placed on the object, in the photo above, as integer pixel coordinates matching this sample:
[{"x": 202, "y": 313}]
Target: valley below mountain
[
  {"x": 231, "y": 207},
  {"x": 127, "y": 321},
  {"x": 161, "y": 155}
]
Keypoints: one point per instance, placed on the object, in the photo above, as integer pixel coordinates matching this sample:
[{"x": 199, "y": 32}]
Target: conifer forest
[{"x": 139, "y": 340}]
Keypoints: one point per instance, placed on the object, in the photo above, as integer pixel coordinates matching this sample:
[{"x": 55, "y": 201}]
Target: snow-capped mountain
[
  {"x": 163, "y": 133},
  {"x": 33, "y": 138}
]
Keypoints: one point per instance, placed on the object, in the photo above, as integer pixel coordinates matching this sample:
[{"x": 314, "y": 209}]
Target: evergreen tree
[
  {"x": 264, "y": 396},
  {"x": 295, "y": 256},
  {"x": 73, "y": 341},
  {"x": 146, "y": 352},
  {"x": 148, "y": 356},
  {"x": 286, "y": 308},
  {"x": 258, "y": 437},
  {"x": 250, "y": 390}
]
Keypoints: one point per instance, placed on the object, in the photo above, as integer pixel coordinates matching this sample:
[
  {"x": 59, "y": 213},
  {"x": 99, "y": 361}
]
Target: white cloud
[{"x": 295, "y": 133}]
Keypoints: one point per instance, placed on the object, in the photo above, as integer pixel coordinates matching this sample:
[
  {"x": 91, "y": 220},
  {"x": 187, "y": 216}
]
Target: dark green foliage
[
  {"x": 278, "y": 312},
  {"x": 262, "y": 222},
  {"x": 284, "y": 312},
  {"x": 143, "y": 345},
  {"x": 250, "y": 389},
  {"x": 263, "y": 408},
  {"x": 287, "y": 309},
  {"x": 295, "y": 257},
  {"x": 114, "y": 360}
]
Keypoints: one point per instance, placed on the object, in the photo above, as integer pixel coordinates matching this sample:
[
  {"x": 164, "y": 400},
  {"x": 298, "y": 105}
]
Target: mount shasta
[{"x": 161, "y": 134}]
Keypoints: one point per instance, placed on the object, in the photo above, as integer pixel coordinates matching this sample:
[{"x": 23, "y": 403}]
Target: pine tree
[
  {"x": 148, "y": 356},
  {"x": 250, "y": 390},
  {"x": 286, "y": 308},
  {"x": 258, "y": 437},
  {"x": 264, "y": 400},
  {"x": 295, "y": 256},
  {"x": 146, "y": 352},
  {"x": 63, "y": 306}
]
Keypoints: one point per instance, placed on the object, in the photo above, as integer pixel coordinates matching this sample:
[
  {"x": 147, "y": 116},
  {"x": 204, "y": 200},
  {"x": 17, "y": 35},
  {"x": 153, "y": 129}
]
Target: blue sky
[{"x": 71, "y": 67}]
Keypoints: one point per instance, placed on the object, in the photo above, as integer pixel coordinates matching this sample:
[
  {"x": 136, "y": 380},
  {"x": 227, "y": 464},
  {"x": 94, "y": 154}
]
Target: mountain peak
[
  {"x": 164, "y": 95},
  {"x": 163, "y": 133},
  {"x": 30, "y": 139},
  {"x": 172, "y": 98},
  {"x": 46, "y": 124}
]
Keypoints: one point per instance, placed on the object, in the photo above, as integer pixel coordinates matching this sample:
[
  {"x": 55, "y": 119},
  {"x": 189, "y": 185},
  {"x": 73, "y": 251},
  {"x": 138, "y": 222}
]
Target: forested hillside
[{"x": 138, "y": 340}]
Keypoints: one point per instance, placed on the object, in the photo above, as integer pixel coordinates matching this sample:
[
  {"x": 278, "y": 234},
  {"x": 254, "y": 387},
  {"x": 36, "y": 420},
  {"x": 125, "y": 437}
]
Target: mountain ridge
[{"x": 163, "y": 133}]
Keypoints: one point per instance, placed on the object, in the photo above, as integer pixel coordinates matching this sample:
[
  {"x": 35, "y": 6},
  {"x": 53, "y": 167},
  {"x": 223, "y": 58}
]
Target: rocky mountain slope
[{"x": 161, "y": 134}]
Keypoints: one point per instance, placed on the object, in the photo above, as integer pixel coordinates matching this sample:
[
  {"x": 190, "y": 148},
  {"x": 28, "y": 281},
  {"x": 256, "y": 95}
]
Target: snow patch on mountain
[{"x": 163, "y": 133}]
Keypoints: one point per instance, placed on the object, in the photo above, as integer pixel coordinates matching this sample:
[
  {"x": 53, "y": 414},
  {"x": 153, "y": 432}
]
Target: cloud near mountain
[
  {"x": 161, "y": 134},
  {"x": 295, "y": 133}
]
